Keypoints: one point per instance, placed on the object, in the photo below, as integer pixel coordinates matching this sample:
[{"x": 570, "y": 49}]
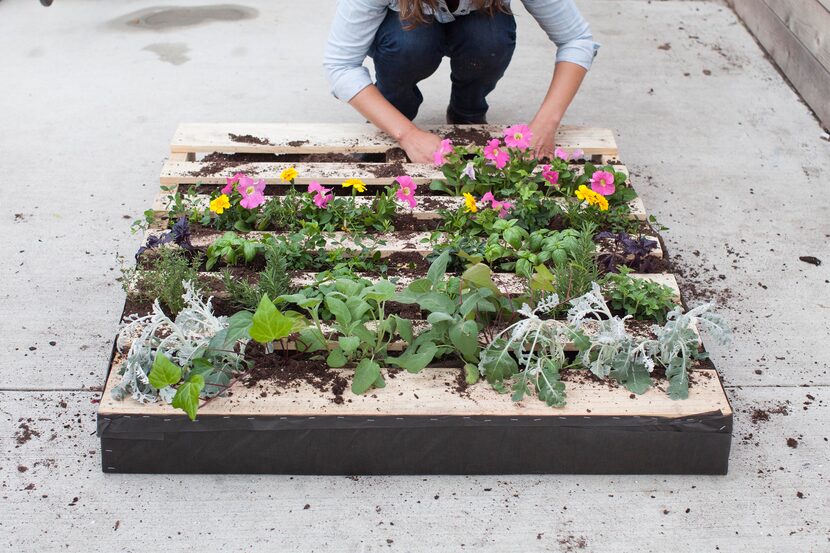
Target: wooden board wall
[{"x": 796, "y": 34}]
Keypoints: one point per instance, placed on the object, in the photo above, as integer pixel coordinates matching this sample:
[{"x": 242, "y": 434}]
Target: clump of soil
[
  {"x": 812, "y": 260},
  {"x": 289, "y": 370},
  {"x": 763, "y": 415},
  {"x": 249, "y": 139},
  {"x": 25, "y": 432},
  {"x": 792, "y": 442},
  {"x": 465, "y": 136}
]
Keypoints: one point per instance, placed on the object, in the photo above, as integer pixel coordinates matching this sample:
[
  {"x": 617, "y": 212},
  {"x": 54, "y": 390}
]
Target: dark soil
[
  {"x": 763, "y": 415},
  {"x": 812, "y": 260},
  {"x": 248, "y": 139},
  {"x": 465, "y": 136},
  {"x": 289, "y": 370},
  {"x": 25, "y": 432}
]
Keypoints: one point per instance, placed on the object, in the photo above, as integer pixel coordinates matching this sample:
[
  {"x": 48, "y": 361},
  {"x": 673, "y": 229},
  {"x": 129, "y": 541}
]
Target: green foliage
[
  {"x": 273, "y": 281},
  {"x": 231, "y": 249},
  {"x": 573, "y": 276},
  {"x": 161, "y": 276},
  {"x": 269, "y": 325},
  {"x": 639, "y": 297}
]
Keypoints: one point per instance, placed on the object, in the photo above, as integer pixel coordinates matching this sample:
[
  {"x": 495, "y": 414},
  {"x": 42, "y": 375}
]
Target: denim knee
[
  {"x": 486, "y": 42},
  {"x": 415, "y": 51}
]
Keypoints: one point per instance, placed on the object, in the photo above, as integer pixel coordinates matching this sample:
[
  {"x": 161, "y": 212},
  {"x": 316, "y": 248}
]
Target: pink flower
[
  {"x": 444, "y": 149},
  {"x": 551, "y": 176},
  {"x": 504, "y": 208},
  {"x": 518, "y": 136},
  {"x": 406, "y": 192},
  {"x": 603, "y": 183},
  {"x": 501, "y": 207},
  {"x": 577, "y": 154},
  {"x": 498, "y": 156},
  {"x": 561, "y": 154},
  {"x": 237, "y": 178},
  {"x": 252, "y": 193},
  {"x": 322, "y": 198},
  {"x": 488, "y": 198}
]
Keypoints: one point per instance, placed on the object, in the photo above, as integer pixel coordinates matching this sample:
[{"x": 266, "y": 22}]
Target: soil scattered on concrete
[
  {"x": 25, "y": 432},
  {"x": 792, "y": 442},
  {"x": 812, "y": 260}
]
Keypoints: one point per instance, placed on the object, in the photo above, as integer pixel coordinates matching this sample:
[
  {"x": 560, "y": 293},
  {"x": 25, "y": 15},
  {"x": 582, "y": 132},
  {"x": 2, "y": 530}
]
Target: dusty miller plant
[
  {"x": 531, "y": 352},
  {"x": 183, "y": 340}
]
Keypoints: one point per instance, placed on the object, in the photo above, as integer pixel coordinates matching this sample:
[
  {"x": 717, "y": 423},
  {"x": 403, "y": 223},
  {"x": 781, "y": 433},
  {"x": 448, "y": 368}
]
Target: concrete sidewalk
[{"x": 721, "y": 149}]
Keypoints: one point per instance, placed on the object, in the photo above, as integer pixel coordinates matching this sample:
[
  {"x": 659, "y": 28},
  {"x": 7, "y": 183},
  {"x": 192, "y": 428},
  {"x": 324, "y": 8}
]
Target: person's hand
[
  {"x": 543, "y": 141},
  {"x": 420, "y": 145}
]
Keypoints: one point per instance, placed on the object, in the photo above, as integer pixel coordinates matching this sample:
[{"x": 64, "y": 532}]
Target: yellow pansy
[
  {"x": 470, "y": 203},
  {"x": 220, "y": 204},
  {"x": 358, "y": 184},
  {"x": 583, "y": 193},
  {"x": 601, "y": 202},
  {"x": 289, "y": 174},
  {"x": 587, "y": 195}
]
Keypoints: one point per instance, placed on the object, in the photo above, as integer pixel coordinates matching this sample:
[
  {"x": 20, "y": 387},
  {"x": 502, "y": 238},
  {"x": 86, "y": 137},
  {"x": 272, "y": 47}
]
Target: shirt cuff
[
  {"x": 351, "y": 81},
  {"x": 580, "y": 52}
]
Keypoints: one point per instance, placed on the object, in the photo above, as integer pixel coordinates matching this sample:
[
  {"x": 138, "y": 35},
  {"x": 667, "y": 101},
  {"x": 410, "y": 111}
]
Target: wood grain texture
[
  {"x": 292, "y": 138},
  {"x": 802, "y": 68},
  {"x": 809, "y": 22}
]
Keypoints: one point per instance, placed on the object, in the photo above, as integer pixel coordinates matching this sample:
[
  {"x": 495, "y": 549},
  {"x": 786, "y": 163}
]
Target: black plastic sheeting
[{"x": 416, "y": 444}]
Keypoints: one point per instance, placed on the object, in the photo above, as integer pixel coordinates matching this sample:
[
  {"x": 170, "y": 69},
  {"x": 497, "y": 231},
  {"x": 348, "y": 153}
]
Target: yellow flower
[
  {"x": 220, "y": 204},
  {"x": 358, "y": 184},
  {"x": 587, "y": 195},
  {"x": 584, "y": 193},
  {"x": 289, "y": 174},
  {"x": 470, "y": 203}
]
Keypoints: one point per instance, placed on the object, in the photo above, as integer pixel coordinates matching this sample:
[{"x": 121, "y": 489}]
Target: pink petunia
[
  {"x": 495, "y": 154},
  {"x": 322, "y": 198},
  {"x": 406, "y": 191},
  {"x": 551, "y": 176},
  {"x": 561, "y": 154},
  {"x": 487, "y": 198},
  {"x": 504, "y": 208},
  {"x": 443, "y": 150},
  {"x": 236, "y": 179},
  {"x": 603, "y": 183},
  {"x": 252, "y": 193},
  {"x": 577, "y": 154},
  {"x": 518, "y": 136},
  {"x": 315, "y": 186}
]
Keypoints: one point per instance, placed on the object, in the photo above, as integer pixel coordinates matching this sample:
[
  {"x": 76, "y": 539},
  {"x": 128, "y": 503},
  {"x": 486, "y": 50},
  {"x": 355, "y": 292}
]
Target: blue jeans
[{"x": 479, "y": 47}]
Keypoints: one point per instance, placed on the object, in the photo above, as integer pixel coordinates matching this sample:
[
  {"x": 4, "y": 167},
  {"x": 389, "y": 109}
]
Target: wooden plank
[
  {"x": 809, "y": 22},
  {"x": 508, "y": 283},
  {"x": 385, "y": 244},
  {"x": 348, "y": 138},
  {"x": 431, "y": 392},
  {"x": 426, "y": 209},
  {"x": 176, "y": 172},
  {"x": 801, "y": 67}
]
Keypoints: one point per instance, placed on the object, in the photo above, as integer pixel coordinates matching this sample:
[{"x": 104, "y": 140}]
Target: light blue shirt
[{"x": 357, "y": 22}]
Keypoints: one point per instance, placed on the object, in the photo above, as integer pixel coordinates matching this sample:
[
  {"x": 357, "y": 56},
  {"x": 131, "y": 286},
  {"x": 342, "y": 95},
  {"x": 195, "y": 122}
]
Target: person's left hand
[{"x": 543, "y": 141}]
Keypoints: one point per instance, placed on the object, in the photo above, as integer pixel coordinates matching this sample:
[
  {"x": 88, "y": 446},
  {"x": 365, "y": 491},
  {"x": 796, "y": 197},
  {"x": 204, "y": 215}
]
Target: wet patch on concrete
[
  {"x": 175, "y": 17},
  {"x": 170, "y": 52}
]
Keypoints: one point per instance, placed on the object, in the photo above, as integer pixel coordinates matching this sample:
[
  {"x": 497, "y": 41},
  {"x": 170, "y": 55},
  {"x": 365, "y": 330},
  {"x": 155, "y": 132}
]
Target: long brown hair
[{"x": 412, "y": 11}]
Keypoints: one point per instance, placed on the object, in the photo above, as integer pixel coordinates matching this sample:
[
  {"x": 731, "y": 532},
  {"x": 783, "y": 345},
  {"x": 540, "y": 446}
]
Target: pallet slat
[
  {"x": 430, "y": 393},
  {"x": 397, "y": 242},
  {"x": 347, "y": 138},
  {"x": 426, "y": 210}
]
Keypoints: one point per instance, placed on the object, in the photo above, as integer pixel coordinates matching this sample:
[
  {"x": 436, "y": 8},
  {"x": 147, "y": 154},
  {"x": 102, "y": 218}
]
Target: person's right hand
[{"x": 420, "y": 145}]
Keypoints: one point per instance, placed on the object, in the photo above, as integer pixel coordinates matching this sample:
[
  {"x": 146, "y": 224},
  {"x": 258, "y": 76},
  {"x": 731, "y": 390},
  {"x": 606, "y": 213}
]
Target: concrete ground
[{"x": 722, "y": 150}]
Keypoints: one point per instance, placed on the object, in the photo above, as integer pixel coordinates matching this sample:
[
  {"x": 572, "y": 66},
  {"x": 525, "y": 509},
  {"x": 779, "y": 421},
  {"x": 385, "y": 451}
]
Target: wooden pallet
[{"x": 603, "y": 429}]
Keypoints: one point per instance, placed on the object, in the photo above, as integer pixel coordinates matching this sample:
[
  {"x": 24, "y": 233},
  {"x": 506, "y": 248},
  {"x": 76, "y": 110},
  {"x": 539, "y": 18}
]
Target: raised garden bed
[{"x": 423, "y": 391}]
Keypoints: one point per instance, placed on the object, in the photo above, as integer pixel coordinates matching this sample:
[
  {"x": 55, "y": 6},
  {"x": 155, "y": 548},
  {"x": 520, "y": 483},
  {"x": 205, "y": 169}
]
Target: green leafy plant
[
  {"x": 161, "y": 276},
  {"x": 180, "y": 360},
  {"x": 273, "y": 280},
  {"x": 639, "y": 297},
  {"x": 230, "y": 248}
]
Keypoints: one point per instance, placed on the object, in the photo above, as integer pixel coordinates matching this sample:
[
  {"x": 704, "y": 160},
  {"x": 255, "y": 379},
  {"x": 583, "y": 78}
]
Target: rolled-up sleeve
[
  {"x": 566, "y": 27},
  {"x": 352, "y": 32}
]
